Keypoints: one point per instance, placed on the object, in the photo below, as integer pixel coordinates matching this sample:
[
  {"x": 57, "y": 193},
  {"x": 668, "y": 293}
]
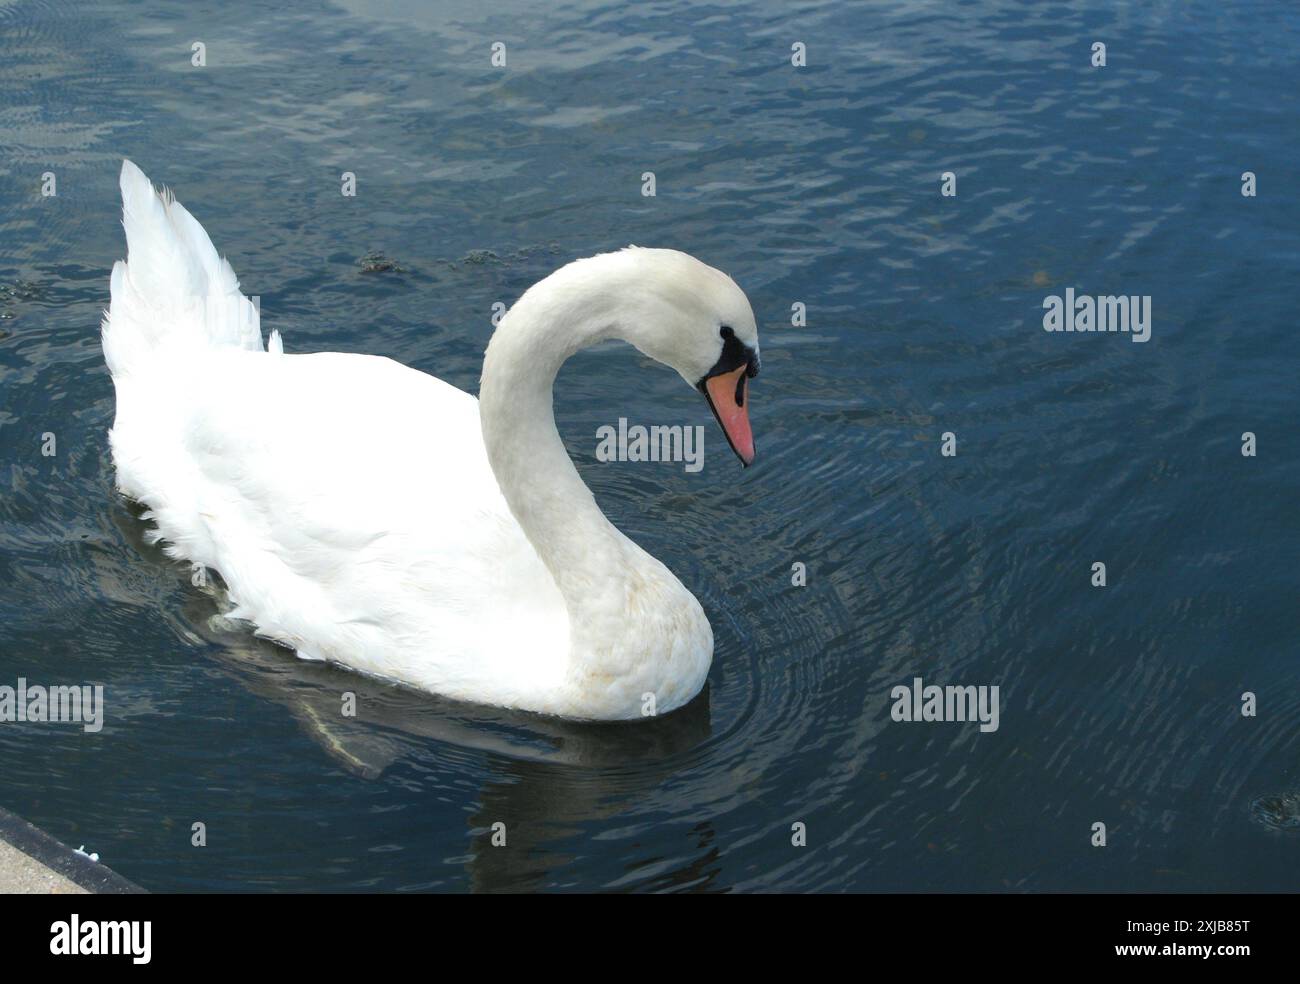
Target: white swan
[{"x": 368, "y": 514}]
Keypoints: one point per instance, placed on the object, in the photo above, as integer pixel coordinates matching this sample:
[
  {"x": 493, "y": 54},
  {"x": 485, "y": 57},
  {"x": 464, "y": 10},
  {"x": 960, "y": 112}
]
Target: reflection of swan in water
[
  {"x": 545, "y": 807},
  {"x": 388, "y": 719},
  {"x": 558, "y": 774}
]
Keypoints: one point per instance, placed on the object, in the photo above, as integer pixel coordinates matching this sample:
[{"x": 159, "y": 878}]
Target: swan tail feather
[{"x": 173, "y": 295}]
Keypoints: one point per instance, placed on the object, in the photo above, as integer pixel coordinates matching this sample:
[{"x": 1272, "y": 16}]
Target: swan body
[{"x": 368, "y": 514}]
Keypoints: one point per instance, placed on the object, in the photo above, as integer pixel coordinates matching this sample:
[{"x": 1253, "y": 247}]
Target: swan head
[{"x": 696, "y": 320}]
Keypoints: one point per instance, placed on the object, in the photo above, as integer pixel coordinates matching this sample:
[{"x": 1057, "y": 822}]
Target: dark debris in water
[
  {"x": 20, "y": 290},
  {"x": 1279, "y": 812},
  {"x": 14, "y": 294},
  {"x": 377, "y": 262},
  {"x": 486, "y": 257}
]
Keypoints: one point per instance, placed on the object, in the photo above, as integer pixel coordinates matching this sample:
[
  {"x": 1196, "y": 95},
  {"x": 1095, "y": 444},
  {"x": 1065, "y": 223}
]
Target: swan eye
[{"x": 726, "y": 332}]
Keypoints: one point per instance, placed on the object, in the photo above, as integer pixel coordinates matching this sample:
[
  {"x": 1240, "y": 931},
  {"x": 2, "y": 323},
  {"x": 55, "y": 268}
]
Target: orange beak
[{"x": 726, "y": 393}]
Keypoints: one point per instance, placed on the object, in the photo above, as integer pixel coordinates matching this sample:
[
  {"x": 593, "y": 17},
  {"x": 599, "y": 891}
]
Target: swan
[{"x": 370, "y": 515}]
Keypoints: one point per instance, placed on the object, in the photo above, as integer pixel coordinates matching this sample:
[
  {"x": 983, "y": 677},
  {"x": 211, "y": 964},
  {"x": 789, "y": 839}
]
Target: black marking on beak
[{"x": 735, "y": 354}]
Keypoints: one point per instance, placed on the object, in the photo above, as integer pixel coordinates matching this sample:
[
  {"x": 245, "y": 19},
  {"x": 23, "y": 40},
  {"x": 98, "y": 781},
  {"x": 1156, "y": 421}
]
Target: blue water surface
[{"x": 817, "y": 185}]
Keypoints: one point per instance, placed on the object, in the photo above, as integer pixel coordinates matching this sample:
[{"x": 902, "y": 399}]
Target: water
[{"x": 817, "y": 185}]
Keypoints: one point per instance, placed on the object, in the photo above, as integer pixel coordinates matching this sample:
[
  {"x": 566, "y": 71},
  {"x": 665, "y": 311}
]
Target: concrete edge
[{"x": 62, "y": 860}]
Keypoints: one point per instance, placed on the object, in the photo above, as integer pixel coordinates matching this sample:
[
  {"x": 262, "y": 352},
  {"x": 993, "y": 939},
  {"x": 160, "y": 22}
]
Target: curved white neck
[
  {"x": 634, "y": 629},
  {"x": 553, "y": 506}
]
